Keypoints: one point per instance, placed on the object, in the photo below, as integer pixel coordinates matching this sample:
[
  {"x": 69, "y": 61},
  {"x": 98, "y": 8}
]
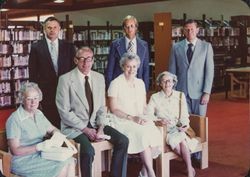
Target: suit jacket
[
  {"x": 73, "y": 106},
  {"x": 41, "y": 69},
  {"x": 117, "y": 49},
  {"x": 195, "y": 78}
]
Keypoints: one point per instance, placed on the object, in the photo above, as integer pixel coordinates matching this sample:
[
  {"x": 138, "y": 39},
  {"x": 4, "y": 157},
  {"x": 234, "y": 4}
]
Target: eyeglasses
[
  {"x": 30, "y": 99},
  {"x": 167, "y": 81},
  {"x": 83, "y": 59}
]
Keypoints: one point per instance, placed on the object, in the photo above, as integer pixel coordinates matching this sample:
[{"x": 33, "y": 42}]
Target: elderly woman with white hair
[
  {"x": 127, "y": 101},
  {"x": 170, "y": 107},
  {"x": 26, "y": 129}
]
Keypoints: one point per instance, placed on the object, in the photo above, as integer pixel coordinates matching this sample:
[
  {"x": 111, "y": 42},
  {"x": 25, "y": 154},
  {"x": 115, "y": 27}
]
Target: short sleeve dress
[
  {"x": 163, "y": 106},
  {"x": 31, "y": 131},
  {"x": 131, "y": 100}
]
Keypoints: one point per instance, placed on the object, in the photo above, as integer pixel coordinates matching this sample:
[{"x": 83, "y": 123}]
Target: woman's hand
[
  {"x": 182, "y": 128},
  {"x": 139, "y": 120}
]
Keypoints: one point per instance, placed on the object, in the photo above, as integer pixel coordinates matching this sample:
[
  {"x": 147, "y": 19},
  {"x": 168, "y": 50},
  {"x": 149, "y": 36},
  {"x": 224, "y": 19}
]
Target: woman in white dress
[
  {"x": 165, "y": 105},
  {"x": 127, "y": 101}
]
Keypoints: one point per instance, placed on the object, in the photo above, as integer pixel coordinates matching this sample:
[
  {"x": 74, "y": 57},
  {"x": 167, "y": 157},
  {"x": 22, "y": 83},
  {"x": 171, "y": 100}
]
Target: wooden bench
[{"x": 200, "y": 126}]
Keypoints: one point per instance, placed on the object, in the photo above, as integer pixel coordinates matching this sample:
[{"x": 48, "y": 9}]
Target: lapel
[
  {"x": 95, "y": 88},
  {"x": 46, "y": 53},
  {"x": 79, "y": 90},
  {"x": 121, "y": 46},
  {"x": 196, "y": 51},
  {"x": 184, "y": 51},
  {"x": 60, "y": 56},
  {"x": 140, "y": 49}
]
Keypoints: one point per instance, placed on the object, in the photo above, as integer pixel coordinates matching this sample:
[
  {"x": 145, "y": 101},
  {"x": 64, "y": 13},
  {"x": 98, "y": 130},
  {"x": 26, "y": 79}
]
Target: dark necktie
[
  {"x": 189, "y": 52},
  {"x": 89, "y": 95}
]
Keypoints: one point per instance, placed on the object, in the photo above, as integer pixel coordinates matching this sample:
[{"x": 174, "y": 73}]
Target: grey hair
[
  {"x": 128, "y": 57},
  {"x": 26, "y": 87},
  {"x": 166, "y": 73}
]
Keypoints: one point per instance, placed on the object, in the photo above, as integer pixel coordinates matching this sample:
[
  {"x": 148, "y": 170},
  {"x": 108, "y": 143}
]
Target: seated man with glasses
[
  {"x": 129, "y": 43},
  {"x": 80, "y": 99}
]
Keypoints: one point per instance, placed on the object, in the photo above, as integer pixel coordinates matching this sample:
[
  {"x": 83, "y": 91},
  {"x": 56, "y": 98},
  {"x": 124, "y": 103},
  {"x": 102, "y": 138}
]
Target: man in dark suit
[
  {"x": 128, "y": 43},
  {"x": 192, "y": 61},
  {"x": 49, "y": 58},
  {"x": 80, "y": 100}
]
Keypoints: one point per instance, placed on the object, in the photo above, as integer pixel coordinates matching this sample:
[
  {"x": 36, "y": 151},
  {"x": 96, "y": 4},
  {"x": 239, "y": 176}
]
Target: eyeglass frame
[{"x": 83, "y": 59}]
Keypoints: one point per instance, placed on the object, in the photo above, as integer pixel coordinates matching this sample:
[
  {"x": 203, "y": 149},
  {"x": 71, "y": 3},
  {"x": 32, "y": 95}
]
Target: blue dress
[{"x": 31, "y": 131}]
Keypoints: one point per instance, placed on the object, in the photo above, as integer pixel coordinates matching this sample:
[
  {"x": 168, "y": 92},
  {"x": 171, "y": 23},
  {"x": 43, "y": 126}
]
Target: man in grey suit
[
  {"x": 80, "y": 99},
  {"x": 192, "y": 61},
  {"x": 128, "y": 43}
]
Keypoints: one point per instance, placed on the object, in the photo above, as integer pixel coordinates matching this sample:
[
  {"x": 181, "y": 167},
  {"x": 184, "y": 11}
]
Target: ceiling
[{"x": 26, "y": 8}]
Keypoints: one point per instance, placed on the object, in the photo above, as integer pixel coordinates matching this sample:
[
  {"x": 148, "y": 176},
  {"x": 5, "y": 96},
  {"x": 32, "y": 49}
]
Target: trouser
[
  {"x": 119, "y": 157},
  {"x": 194, "y": 106}
]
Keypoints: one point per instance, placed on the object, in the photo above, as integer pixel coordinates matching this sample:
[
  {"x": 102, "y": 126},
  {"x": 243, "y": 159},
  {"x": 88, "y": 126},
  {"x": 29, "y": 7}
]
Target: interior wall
[{"x": 145, "y": 12}]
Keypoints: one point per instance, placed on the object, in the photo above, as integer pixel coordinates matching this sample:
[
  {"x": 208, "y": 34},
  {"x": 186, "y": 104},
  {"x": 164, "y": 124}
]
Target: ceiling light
[
  {"x": 58, "y": 1},
  {"x": 3, "y": 10}
]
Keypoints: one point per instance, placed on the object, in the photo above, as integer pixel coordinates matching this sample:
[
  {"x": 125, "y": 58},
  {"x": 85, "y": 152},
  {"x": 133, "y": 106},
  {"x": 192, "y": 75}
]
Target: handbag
[
  {"x": 59, "y": 153},
  {"x": 189, "y": 132}
]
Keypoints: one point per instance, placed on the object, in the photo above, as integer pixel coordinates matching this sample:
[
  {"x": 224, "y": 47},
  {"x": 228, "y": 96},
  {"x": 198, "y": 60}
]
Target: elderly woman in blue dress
[
  {"x": 165, "y": 105},
  {"x": 127, "y": 101},
  {"x": 25, "y": 129}
]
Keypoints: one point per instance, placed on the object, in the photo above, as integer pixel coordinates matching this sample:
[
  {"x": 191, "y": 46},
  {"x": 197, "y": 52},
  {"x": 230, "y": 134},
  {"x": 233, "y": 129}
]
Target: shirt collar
[
  {"x": 23, "y": 114},
  {"x": 49, "y": 41},
  {"x": 173, "y": 95},
  {"x": 128, "y": 40},
  {"x": 193, "y": 42}
]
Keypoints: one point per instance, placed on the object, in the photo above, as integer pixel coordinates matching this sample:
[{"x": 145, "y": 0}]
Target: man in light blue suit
[
  {"x": 192, "y": 61},
  {"x": 128, "y": 43},
  {"x": 80, "y": 99}
]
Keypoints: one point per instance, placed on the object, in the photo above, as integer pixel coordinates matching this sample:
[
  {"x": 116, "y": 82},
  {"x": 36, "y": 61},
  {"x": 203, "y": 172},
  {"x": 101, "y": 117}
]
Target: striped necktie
[{"x": 130, "y": 47}]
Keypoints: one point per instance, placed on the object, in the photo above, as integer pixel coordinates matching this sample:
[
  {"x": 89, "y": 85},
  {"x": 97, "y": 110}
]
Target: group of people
[{"x": 75, "y": 98}]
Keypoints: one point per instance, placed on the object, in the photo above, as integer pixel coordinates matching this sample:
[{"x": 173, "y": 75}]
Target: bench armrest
[
  {"x": 6, "y": 162},
  {"x": 200, "y": 126}
]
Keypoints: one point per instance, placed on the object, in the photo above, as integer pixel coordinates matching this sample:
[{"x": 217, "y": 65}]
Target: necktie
[
  {"x": 53, "y": 54},
  {"x": 89, "y": 95},
  {"x": 189, "y": 52},
  {"x": 130, "y": 47}
]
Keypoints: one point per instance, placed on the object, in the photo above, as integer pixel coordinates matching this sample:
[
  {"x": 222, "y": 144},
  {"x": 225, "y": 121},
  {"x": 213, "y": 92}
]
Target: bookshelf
[
  {"x": 15, "y": 44},
  {"x": 146, "y": 32},
  {"x": 98, "y": 38}
]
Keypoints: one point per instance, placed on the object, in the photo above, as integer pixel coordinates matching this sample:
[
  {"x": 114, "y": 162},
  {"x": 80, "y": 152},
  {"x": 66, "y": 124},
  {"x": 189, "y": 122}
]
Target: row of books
[
  {"x": 5, "y": 100},
  {"x": 18, "y": 60},
  {"x": 19, "y": 35},
  {"x": 18, "y": 73},
  {"x": 211, "y": 31},
  {"x": 97, "y": 35},
  {"x": 5, "y": 87}
]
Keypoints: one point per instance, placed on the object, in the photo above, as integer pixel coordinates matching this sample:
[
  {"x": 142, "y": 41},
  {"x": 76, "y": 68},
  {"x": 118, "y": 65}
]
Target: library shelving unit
[
  {"x": 146, "y": 32},
  {"x": 15, "y": 44},
  {"x": 243, "y": 22},
  {"x": 99, "y": 39}
]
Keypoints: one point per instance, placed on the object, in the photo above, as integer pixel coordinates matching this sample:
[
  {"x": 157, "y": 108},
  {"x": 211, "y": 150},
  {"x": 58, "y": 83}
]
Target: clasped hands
[
  {"x": 95, "y": 135},
  {"x": 56, "y": 140}
]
